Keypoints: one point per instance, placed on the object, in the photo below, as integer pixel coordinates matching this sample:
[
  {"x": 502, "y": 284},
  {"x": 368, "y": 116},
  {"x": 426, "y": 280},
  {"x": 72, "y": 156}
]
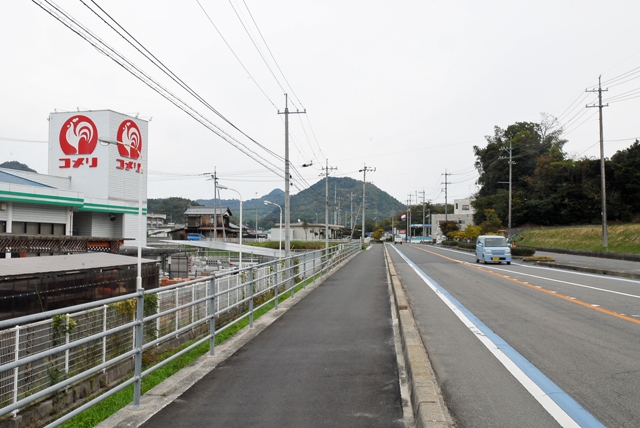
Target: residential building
[
  {"x": 462, "y": 214},
  {"x": 210, "y": 222}
]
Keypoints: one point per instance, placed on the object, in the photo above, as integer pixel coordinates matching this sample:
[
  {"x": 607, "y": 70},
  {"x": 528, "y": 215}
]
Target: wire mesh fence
[{"x": 49, "y": 353}]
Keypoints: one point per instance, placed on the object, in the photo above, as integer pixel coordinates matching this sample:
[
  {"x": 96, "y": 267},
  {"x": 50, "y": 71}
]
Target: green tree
[
  {"x": 472, "y": 232},
  {"x": 448, "y": 227},
  {"x": 492, "y": 224},
  {"x": 623, "y": 183},
  {"x": 377, "y": 233},
  {"x": 528, "y": 142}
]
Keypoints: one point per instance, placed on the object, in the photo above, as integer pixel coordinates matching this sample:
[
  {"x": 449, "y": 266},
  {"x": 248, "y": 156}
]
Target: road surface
[{"x": 503, "y": 340}]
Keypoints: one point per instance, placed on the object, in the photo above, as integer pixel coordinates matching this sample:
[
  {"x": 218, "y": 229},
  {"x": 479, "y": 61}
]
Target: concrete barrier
[{"x": 429, "y": 409}]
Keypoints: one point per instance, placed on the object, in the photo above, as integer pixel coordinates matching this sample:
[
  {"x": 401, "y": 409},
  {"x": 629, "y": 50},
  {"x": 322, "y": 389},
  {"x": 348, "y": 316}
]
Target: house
[
  {"x": 462, "y": 214},
  {"x": 210, "y": 222}
]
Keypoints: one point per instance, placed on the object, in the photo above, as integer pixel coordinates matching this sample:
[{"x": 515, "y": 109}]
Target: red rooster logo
[
  {"x": 78, "y": 136},
  {"x": 129, "y": 139}
]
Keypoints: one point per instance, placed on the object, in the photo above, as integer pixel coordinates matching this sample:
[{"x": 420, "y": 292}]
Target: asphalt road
[
  {"x": 580, "y": 331},
  {"x": 329, "y": 361}
]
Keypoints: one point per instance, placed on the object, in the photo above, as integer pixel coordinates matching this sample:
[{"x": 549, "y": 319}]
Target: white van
[{"x": 490, "y": 248}]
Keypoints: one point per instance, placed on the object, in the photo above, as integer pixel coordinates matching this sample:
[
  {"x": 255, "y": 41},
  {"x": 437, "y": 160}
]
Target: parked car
[
  {"x": 195, "y": 237},
  {"x": 490, "y": 248}
]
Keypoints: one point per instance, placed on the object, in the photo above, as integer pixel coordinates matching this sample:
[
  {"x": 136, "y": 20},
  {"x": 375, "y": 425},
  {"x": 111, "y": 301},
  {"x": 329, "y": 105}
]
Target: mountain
[
  {"x": 345, "y": 204},
  {"x": 249, "y": 206},
  {"x": 16, "y": 165}
]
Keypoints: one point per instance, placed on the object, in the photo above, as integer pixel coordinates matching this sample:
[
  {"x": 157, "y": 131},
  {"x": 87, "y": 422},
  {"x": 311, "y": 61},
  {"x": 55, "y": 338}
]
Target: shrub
[
  {"x": 467, "y": 245},
  {"x": 523, "y": 251}
]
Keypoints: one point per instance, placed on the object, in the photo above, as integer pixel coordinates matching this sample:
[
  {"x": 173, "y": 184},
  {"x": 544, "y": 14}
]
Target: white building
[
  {"x": 462, "y": 214},
  {"x": 95, "y": 185},
  {"x": 297, "y": 232}
]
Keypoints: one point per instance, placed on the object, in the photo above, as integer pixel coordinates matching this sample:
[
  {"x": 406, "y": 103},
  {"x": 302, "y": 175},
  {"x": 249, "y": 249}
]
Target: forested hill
[
  {"x": 550, "y": 187},
  {"x": 308, "y": 204},
  {"x": 345, "y": 196},
  {"x": 16, "y": 165}
]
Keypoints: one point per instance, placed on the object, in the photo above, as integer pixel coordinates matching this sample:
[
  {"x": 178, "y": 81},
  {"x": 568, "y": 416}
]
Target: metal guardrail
[{"x": 43, "y": 354}]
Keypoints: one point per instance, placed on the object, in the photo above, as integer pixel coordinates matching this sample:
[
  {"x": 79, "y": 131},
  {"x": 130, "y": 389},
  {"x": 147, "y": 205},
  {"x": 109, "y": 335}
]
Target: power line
[
  {"x": 235, "y": 55},
  {"x": 257, "y": 48},
  {"x": 271, "y": 54},
  {"x": 155, "y": 61},
  {"x": 102, "y": 47}
]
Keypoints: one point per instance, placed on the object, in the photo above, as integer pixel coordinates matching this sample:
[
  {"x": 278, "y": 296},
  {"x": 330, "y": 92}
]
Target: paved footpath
[{"x": 329, "y": 361}]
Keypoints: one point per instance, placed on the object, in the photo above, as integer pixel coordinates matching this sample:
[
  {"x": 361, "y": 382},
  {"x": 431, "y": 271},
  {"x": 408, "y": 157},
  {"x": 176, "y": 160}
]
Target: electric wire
[
  {"x": 257, "y": 48},
  {"x": 102, "y": 47},
  {"x": 235, "y": 55},
  {"x": 269, "y": 50},
  {"x": 271, "y": 54},
  {"x": 20, "y": 140},
  {"x": 160, "y": 65}
]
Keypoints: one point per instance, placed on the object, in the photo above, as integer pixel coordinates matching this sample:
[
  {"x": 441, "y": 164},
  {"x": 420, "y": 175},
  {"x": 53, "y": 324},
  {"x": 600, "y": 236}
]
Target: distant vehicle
[
  {"x": 439, "y": 239},
  {"x": 397, "y": 240},
  {"x": 491, "y": 248},
  {"x": 195, "y": 237},
  {"x": 426, "y": 240}
]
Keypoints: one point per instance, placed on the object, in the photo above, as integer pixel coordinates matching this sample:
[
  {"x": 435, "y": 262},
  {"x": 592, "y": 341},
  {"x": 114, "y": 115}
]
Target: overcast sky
[{"x": 405, "y": 87}]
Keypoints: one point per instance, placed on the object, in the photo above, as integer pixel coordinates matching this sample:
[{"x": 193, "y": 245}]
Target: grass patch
[
  {"x": 624, "y": 238},
  {"x": 101, "y": 411}
]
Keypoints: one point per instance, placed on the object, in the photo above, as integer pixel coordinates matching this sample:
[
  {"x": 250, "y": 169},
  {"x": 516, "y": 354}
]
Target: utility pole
[
  {"x": 364, "y": 182},
  {"x": 423, "y": 207},
  {"x": 351, "y": 213},
  {"x": 511, "y": 162},
  {"x": 335, "y": 203},
  {"x": 287, "y": 175},
  {"x": 327, "y": 169},
  {"x": 605, "y": 242},
  {"x": 446, "y": 189},
  {"x": 214, "y": 178},
  {"x": 409, "y": 217}
]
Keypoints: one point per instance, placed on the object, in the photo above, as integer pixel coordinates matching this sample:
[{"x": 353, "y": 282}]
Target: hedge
[{"x": 523, "y": 251}]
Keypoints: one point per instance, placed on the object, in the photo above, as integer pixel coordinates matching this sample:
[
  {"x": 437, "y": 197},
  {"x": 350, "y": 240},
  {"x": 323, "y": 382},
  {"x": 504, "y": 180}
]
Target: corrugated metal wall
[
  {"x": 39, "y": 213},
  {"x": 131, "y": 229},
  {"x": 82, "y": 223},
  {"x": 102, "y": 226}
]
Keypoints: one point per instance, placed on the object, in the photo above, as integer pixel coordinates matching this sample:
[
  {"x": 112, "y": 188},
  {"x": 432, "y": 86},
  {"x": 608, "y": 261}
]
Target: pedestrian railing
[{"x": 47, "y": 354}]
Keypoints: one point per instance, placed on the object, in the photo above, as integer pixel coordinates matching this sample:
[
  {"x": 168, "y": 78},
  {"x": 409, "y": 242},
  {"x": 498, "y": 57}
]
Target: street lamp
[
  {"x": 240, "y": 196},
  {"x": 138, "y": 337},
  {"x": 140, "y": 184},
  {"x": 280, "y": 236}
]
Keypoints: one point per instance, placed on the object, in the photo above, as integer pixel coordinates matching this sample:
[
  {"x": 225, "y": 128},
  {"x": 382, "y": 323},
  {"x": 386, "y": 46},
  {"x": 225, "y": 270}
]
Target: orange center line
[{"x": 538, "y": 288}]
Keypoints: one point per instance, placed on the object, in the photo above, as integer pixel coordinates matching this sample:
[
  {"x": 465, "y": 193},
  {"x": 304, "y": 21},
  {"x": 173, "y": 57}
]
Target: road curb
[{"x": 429, "y": 409}]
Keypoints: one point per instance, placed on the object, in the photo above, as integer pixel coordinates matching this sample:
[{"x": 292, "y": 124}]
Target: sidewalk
[{"x": 328, "y": 361}]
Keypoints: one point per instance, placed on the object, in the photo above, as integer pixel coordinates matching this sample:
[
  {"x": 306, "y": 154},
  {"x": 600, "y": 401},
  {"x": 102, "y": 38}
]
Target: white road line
[
  {"x": 569, "y": 283},
  {"x": 485, "y": 335}
]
